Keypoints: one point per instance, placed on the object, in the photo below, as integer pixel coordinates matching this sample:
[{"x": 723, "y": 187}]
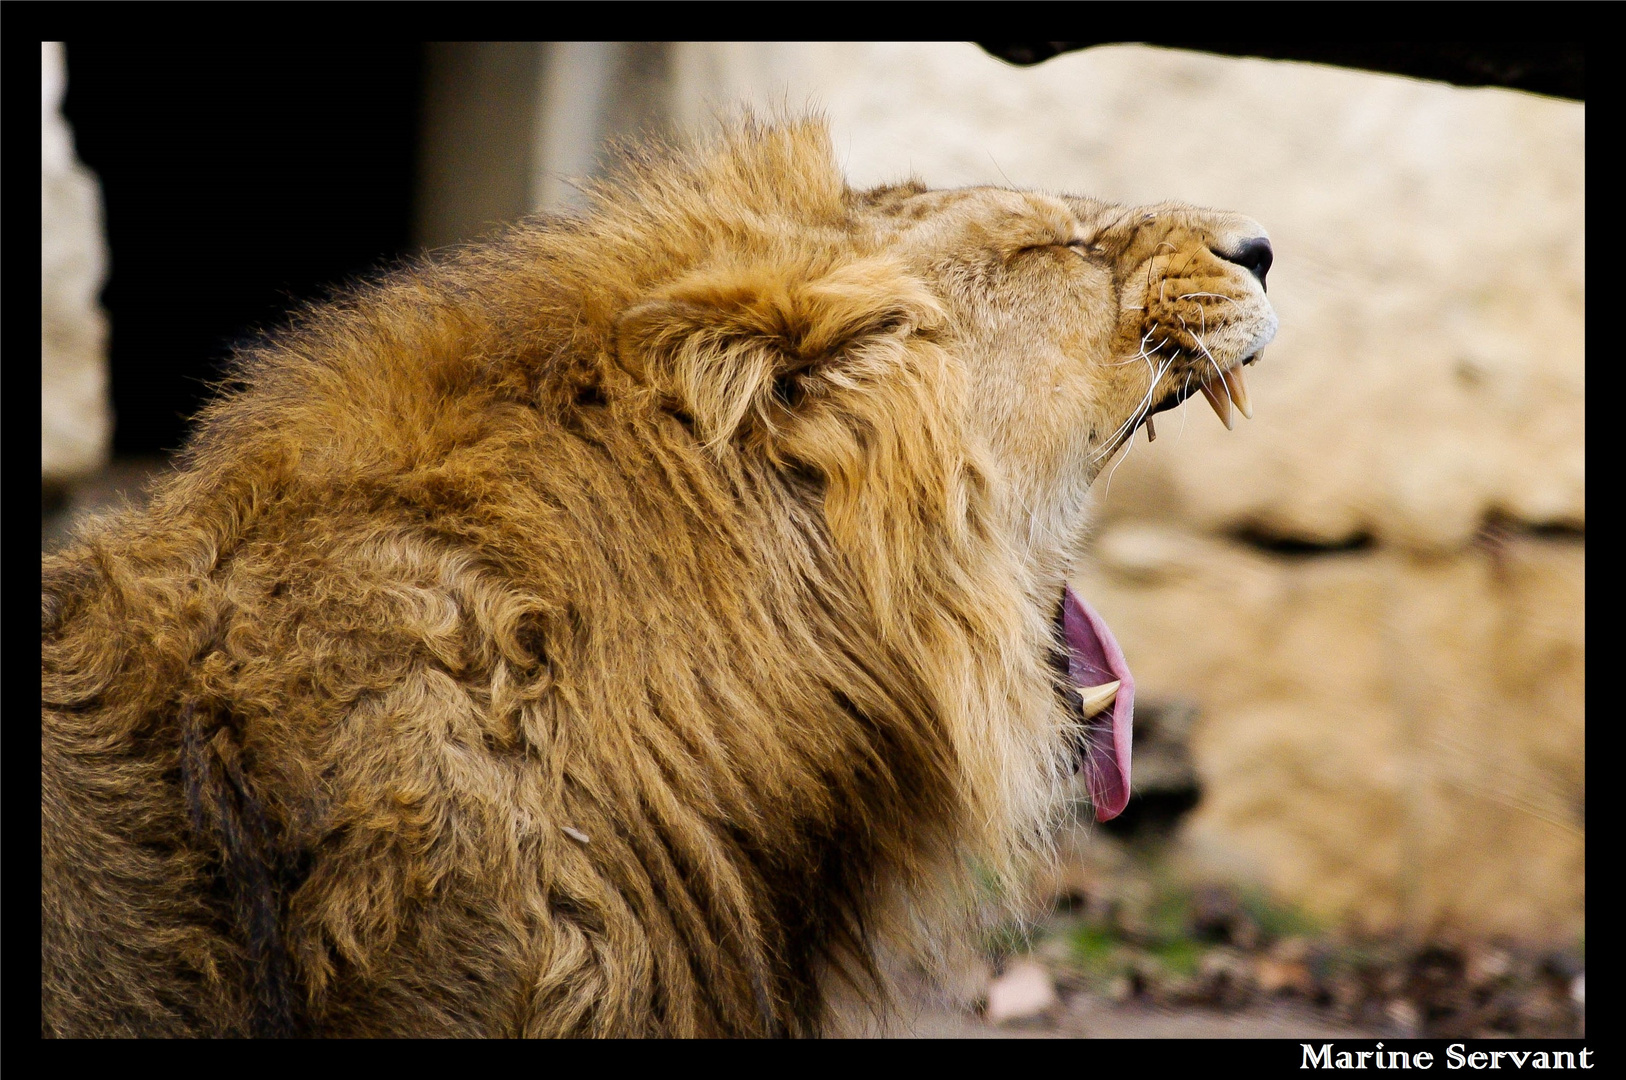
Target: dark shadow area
[
  {"x": 238, "y": 180},
  {"x": 1499, "y": 527},
  {"x": 1164, "y": 779},
  {"x": 1153, "y": 815},
  {"x": 1299, "y": 547},
  {"x": 1557, "y": 531}
]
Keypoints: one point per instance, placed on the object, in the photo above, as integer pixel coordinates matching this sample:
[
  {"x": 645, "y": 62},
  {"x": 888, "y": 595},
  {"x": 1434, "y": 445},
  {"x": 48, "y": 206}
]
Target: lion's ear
[{"x": 744, "y": 345}]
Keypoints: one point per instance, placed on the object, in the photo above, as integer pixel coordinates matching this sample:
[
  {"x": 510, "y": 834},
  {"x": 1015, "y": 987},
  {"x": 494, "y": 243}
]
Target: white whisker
[
  {"x": 1201, "y": 344},
  {"x": 1185, "y": 399},
  {"x": 1132, "y": 419},
  {"x": 1140, "y": 355},
  {"x": 1135, "y": 417},
  {"x": 1145, "y": 405}
]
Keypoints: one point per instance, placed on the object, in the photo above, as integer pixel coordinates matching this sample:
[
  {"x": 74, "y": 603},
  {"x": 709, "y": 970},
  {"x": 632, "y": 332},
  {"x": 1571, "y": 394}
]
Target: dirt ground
[
  {"x": 1086, "y": 1016},
  {"x": 1134, "y": 946}
]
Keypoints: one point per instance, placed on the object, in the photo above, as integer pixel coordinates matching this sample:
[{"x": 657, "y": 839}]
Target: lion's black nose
[{"x": 1254, "y": 255}]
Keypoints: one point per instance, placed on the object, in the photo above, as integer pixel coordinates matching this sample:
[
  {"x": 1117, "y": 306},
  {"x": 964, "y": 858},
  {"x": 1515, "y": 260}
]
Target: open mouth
[
  {"x": 1101, "y": 692},
  {"x": 1096, "y": 681}
]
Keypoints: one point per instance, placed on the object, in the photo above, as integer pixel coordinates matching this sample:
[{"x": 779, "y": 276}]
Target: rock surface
[
  {"x": 1387, "y": 738},
  {"x": 76, "y": 420},
  {"x": 1023, "y": 992}
]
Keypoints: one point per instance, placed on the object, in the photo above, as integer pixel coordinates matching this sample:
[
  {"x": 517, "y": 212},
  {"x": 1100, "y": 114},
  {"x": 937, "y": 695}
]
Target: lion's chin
[{"x": 1101, "y": 691}]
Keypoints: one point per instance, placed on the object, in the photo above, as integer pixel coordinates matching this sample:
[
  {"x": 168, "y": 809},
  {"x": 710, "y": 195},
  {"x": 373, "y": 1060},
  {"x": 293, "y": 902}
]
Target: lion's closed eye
[{"x": 1078, "y": 246}]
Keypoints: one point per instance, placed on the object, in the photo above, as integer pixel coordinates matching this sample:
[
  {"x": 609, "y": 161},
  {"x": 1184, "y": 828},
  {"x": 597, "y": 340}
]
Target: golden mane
[{"x": 603, "y": 630}]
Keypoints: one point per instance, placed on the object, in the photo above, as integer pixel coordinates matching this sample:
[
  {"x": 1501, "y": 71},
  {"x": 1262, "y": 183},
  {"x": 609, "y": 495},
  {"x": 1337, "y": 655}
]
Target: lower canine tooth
[
  {"x": 1220, "y": 400},
  {"x": 1097, "y": 699}
]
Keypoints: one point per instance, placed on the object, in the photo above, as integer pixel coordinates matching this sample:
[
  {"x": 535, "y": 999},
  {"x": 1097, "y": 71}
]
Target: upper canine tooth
[
  {"x": 1098, "y": 698},
  {"x": 1239, "y": 390},
  {"x": 1217, "y": 397}
]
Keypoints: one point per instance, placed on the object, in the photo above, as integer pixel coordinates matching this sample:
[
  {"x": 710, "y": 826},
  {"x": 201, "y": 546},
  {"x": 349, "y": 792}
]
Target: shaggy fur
[{"x": 633, "y": 626}]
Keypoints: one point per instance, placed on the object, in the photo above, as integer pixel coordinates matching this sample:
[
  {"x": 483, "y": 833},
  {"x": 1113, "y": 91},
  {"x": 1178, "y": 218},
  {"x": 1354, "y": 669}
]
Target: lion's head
[
  {"x": 926, "y": 350},
  {"x": 617, "y": 627}
]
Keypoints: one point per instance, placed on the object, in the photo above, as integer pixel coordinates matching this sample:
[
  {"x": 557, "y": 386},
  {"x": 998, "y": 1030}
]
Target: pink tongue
[{"x": 1093, "y": 658}]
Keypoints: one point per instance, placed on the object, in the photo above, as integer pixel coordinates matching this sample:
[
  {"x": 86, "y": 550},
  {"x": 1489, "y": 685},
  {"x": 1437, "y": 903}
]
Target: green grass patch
[
  {"x": 1277, "y": 920},
  {"x": 1179, "y": 957},
  {"x": 1097, "y": 950},
  {"x": 1169, "y": 919}
]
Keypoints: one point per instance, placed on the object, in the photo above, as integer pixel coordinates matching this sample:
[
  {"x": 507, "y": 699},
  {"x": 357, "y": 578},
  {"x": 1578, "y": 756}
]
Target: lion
[{"x": 640, "y": 624}]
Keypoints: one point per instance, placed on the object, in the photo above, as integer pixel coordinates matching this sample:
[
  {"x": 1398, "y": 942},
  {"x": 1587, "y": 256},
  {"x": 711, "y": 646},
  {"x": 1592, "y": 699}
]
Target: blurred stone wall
[
  {"x": 1374, "y": 591},
  {"x": 75, "y": 415}
]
